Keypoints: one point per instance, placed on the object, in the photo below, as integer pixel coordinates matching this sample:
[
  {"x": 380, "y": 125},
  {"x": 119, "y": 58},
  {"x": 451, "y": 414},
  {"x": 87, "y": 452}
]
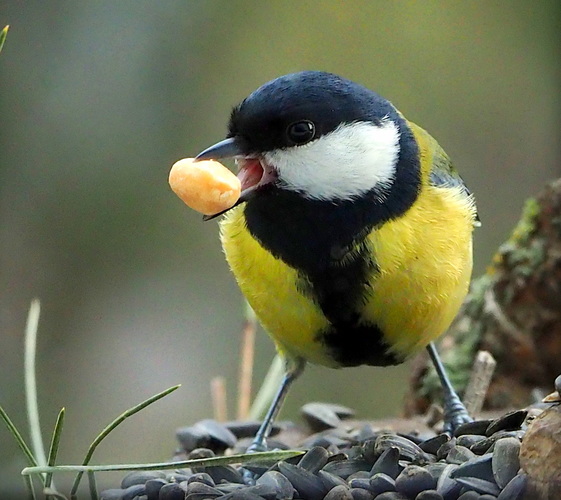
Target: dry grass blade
[
  {"x": 31, "y": 381},
  {"x": 218, "y": 392},
  {"x": 246, "y": 363},
  {"x": 245, "y": 458},
  {"x": 111, "y": 426}
]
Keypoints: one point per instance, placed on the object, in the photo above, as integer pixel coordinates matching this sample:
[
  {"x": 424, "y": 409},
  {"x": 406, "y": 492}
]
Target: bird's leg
[
  {"x": 455, "y": 413},
  {"x": 294, "y": 368}
]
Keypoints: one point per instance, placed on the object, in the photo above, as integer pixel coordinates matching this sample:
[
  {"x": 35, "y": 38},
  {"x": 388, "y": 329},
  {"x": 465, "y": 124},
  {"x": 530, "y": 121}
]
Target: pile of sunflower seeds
[{"x": 481, "y": 461}]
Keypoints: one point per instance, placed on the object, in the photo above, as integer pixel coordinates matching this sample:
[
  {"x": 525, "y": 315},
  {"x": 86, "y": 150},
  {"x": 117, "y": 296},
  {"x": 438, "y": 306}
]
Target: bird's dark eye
[{"x": 299, "y": 133}]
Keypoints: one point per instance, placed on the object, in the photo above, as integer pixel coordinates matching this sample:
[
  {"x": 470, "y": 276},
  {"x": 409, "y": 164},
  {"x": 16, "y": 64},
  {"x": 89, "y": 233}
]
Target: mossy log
[{"x": 513, "y": 311}]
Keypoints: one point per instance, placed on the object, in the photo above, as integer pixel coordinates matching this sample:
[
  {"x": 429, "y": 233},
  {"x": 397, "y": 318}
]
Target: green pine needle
[
  {"x": 55, "y": 441},
  {"x": 18, "y": 437},
  {"x": 3, "y": 35},
  {"x": 109, "y": 428},
  {"x": 92, "y": 485}
]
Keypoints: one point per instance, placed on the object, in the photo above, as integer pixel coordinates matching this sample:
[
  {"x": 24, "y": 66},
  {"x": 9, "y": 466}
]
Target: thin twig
[
  {"x": 479, "y": 380},
  {"x": 218, "y": 392},
  {"x": 509, "y": 327},
  {"x": 31, "y": 382},
  {"x": 246, "y": 363}
]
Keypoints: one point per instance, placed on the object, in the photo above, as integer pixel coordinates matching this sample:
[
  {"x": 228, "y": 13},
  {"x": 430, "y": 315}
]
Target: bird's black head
[
  {"x": 297, "y": 108},
  {"x": 319, "y": 137}
]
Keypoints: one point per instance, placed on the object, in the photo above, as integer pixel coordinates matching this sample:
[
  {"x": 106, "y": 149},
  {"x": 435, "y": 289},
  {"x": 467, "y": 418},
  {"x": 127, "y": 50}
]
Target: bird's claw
[
  {"x": 455, "y": 415},
  {"x": 257, "y": 446}
]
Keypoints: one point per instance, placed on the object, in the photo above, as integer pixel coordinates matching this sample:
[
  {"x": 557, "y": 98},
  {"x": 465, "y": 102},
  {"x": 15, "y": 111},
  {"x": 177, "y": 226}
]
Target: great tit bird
[{"x": 352, "y": 238}]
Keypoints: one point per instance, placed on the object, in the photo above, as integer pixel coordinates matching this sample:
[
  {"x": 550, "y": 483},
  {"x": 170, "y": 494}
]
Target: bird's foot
[
  {"x": 455, "y": 414},
  {"x": 256, "y": 446}
]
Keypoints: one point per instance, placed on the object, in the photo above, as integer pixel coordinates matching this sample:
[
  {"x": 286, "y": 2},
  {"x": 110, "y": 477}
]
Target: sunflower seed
[
  {"x": 153, "y": 487},
  {"x": 249, "y": 429},
  {"x": 111, "y": 494},
  {"x": 459, "y": 454},
  {"x": 469, "y": 495},
  {"x": 429, "y": 495},
  {"x": 171, "y": 491},
  {"x": 306, "y": 484},
  {"x": 388, "y": 463},
  {"x": 475, "y": 427},
  {"x": 443, "y": 451},
  {"x": 509, "y": 422},
  {"x": 201, "y": 477},
  {"x": 221, "y": 473},
  {"x": 476, "y": 467},
  {"x": 391, "y": 495},
  {"x": 239, "y": 495},
  {"x": 359, "y": 482},
  {"x": 330, "y": 480},
  {"x": 515, "y": 489},
  {"x": 203, "y": 489},
  {"x": 448, "y": 487},
  {"x": 408, "y": 450},
  {"x": 505, "y": 460},
  {"x": 361, "y": 494},
  {"x": 133, "y": 491},
  {"x": 435, "y": 469},
  {"x": 380, "y": 483},
  {"x": 432, "y": 445},
  {"x": 479, "y": 485},
  {"x": 414, "y": 479},
  {"x": 314, "y": 459},
  {"x": 468, "y": 440},
  {"x": 140, "y": 477},
  {"x": 345, "y": 468},
  {"x": 320, "y": 416},
  {"x": 279, "y": 482},
  {"x": 339, "y": 492}
]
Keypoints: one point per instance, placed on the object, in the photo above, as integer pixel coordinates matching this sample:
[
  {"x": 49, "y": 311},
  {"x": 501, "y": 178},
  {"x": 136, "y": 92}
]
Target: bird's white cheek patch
[{"x": 343, "y": 164}]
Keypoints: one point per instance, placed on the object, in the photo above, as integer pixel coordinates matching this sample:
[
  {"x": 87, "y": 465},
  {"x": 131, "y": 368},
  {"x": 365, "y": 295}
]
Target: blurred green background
[{"x": 98, "y": 99}]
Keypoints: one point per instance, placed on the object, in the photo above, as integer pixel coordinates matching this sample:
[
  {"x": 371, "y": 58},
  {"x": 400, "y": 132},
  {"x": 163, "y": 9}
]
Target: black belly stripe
[
  {"x": 341, "y": 291},
  {"x": 356, "y": 344}
]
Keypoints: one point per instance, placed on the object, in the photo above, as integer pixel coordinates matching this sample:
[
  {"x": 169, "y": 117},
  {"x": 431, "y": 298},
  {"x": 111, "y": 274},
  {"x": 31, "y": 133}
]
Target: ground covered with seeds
[{"x": 346, "y": 461}]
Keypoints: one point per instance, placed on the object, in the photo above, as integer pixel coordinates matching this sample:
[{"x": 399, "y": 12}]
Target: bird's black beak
[{"x": 227, "y": 148}]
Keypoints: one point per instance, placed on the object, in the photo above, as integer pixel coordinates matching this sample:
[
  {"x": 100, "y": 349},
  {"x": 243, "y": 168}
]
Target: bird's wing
[{"x": 442, "y": 172}]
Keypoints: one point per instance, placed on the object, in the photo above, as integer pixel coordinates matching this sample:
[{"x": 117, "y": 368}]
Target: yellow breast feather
[
  {"x": 424, "y": 260},
  {"x": 269, "y": 285}
]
